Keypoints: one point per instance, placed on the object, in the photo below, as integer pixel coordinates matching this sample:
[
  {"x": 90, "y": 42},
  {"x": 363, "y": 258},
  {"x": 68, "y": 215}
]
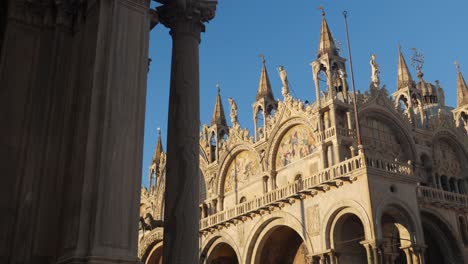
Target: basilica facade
[{"x": 376, "y": 177}]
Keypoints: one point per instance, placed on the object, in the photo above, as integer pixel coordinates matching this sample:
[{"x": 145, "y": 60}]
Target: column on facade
[
  {"x": 369, "y": 253},
  {"x": 345, "y": 87},
  {"x": 181, "y": 222},
  {"x": 219, "y": 204},
  {"x": 323, "y": 259},
  {"x": 349, "y": 120},
  {"x": 409, "y": 259},
  {"x": 377, "y": 253},
  {"x": 333, "y": 258}
]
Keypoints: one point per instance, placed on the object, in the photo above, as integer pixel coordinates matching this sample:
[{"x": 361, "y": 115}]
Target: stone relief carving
[
  {"x": 313, "y": 219},
  {"x": 447, "y": 159}
]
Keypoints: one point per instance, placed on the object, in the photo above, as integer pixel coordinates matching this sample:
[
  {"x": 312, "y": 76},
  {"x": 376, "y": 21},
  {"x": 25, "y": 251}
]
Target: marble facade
[{"x": 299, "y": 189}]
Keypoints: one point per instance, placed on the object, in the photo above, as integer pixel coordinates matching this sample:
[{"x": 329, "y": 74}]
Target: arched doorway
[
  {"x": 155, "y": 256},
  {"x": 281, "y": 245},
  {"x": 395, "y": 237},
  {"x": 441, "y": 244},
  {"x": 347, "y": 234},
  {"x": 222, "y": 253}
]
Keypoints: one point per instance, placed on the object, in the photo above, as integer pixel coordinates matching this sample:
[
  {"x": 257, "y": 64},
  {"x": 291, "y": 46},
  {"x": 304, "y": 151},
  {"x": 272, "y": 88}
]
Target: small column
[
  {"x": 317, "y": 93},
  {"x": 333, "y": 258},
  {"x": 336, "y": 152},
  {"x": 219, "y": 204},
  {"x": 350, "y": 121},
  {"x": 409, "y": 259},
  {"x": 353, "y": 151},
  {"x": 323, "y": 259},
  {"x": 377, "y": 254},
  {"x": 181, "y": 224},
  {"x": 368, "y": 253},
  {"x": 345, "y": 86}
]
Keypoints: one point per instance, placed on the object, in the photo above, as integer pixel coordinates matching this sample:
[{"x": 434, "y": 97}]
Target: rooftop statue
[
  {"x": 233, "y": 114},
  {"x": 375, "y": 70}
]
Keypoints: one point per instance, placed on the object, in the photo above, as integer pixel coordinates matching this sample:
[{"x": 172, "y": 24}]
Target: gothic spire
[
  {"x": 158, "y": 150},
  {"x": 462, "y": 88},
  {"x": 264, "y": 86},
  {"x": 218, "y": 114},
  {"x": 404, "y": 76},
  {"x": 326, "y": 44}
]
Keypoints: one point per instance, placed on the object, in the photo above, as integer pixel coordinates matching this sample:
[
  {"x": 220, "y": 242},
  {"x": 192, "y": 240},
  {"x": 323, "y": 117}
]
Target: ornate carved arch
[
  {"x": 455, "y": 142},
  {"x": 277, "y": 136},
  {"x": 404, "y": 214},
  {"x": 332, "y": 215},
  {"x": 390, "y": 116},
  {"x": 221, "y": 237},
  {"x": 226, "y": 162},
  {"x": 262, "y": 228},
  {"x": 148, "y": 242}
]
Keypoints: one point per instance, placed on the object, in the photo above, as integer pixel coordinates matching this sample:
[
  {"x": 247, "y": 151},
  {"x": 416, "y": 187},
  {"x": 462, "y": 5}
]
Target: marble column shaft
[
  {"x": 181, "y": 218},
  {"x": 72, "y": 103}
]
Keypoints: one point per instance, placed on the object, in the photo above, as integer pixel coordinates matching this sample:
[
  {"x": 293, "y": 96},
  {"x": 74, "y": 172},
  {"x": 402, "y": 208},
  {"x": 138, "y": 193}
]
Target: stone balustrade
[
  {"x": 441, "y": 197},
  {"x": 390, "y": 166},
  {"x": 287, "y": 193},
  {"x": 332, "y": 131}
]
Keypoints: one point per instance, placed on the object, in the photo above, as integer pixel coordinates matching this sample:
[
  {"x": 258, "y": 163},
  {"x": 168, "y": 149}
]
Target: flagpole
[{"x": 356, "y": 116}]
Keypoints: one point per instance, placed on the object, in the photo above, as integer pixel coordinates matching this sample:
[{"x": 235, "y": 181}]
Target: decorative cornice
[{"x": 47, "y": 12}]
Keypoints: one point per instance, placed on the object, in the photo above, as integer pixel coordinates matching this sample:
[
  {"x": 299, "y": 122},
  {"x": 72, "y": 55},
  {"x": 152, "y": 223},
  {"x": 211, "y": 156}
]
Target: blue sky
[{"x": 287, "y": 33}]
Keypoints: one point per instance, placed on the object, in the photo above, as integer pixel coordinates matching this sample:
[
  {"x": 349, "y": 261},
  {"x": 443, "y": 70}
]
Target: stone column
[
  {"x": 368, "y": 253},
  {"x": 323, "y": 259},
  {"x": 72, "y": 105},
  {"x": 219, "y": 204},
  {"x": 408, "y": 255},
  {"x": 181, "y": 218},
  {"x": 350, "y": 122}
]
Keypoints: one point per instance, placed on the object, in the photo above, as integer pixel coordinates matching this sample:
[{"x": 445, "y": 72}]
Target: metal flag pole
[{"x": 356, "y": 116}]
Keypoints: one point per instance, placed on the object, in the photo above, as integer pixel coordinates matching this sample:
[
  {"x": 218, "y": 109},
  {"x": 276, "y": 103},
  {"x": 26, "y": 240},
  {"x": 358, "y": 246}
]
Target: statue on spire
[
  {"x": 284, "y": 80},
  {"x": 375, "y": 71},
  {"x": 322, "y": 9},
  {"x": 233, "y": 114}
]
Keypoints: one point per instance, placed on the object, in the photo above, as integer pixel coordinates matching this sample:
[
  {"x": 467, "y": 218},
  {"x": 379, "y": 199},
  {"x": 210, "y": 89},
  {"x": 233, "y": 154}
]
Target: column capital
[{"x": 175, "y": 15}]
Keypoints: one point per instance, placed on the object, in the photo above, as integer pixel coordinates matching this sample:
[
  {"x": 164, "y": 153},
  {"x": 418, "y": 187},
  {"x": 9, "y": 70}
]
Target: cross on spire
[
  {"x": 322, "y": 9},
  {"x": 262, "y": 57}
]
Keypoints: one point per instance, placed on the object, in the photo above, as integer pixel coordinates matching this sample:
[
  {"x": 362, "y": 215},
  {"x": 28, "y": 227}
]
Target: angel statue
[
  {"x": 375, "y": 70},
  {"x": 284, "y": 79},
  {"x": 233, "y": 114}
]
